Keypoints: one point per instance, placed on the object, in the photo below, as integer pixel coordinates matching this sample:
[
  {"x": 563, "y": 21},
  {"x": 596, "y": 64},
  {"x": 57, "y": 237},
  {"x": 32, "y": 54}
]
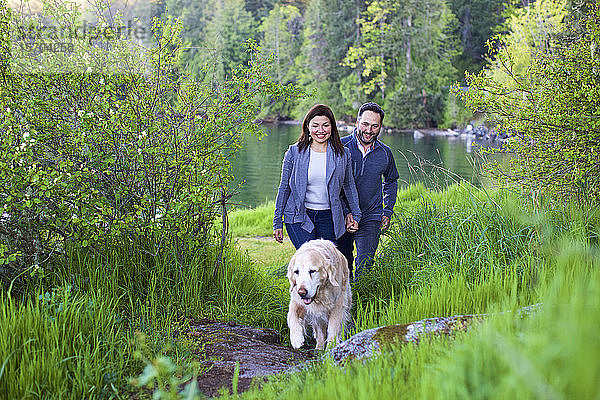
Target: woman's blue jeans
[{"x": 323, "y": 221}]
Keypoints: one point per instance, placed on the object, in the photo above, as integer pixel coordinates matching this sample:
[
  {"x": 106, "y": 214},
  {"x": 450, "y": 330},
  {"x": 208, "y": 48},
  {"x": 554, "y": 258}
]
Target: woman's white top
[{"x": 317, "y": 196}]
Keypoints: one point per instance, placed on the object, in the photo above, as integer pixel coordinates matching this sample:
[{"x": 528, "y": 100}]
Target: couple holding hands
[{"x": 339, "y": 189}]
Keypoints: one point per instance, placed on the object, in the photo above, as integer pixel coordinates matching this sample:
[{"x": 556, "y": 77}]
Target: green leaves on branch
[
  {"x": 545, "y": 96},
  {"x": 135, "y": 157}
]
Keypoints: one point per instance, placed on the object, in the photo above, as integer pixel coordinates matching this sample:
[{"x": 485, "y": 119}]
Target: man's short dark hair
[{"x": 371, "y": 107}]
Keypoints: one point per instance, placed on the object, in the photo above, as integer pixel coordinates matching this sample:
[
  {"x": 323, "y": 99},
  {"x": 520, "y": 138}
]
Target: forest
[{"x": 403, "y": 55}]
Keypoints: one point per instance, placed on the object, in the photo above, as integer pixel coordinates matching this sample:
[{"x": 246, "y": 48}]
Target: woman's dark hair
[{"x": 320, "y": 110}]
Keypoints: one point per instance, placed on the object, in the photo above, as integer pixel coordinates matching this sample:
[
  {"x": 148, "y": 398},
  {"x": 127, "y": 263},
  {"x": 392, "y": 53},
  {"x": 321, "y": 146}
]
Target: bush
[
  {"x": 112, "y": 146},
  {"x": 547, "y": 103}
]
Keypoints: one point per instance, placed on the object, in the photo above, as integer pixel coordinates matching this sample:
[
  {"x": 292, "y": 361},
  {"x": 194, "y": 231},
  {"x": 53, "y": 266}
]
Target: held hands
[
  {"x": 278, "y": 235},
  {"x": 351, "y": 224},
  {"x": 385, "y": 222}
]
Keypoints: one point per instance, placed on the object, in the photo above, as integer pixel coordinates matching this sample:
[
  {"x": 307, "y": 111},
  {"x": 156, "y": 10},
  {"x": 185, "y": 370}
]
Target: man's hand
[
  {"x": 351, "y": 224},
  {"x": 278, "y": 235},
  {"x": 385, "y": 222}
]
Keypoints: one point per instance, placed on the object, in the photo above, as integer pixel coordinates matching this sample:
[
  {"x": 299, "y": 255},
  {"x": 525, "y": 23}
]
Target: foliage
[
  {"x": 548, "y": 106},
  {"x": 282, "y": 30},
  {"x": 478, "y": 21},
  {"x": 458, "y": 248},
  {"x": 112, "y": 146},
  {"x": 551, "y": 355},
  {"x": 554, "y": 262},
  {"x": 228, "y": 27},
  {"x": 406, "y": 49},
  {"x": 403, "y": 55},
  {"x": 163, "y": 378},
  {"x": 330, "y": 28},
  {"x": 62, "y": 344}
]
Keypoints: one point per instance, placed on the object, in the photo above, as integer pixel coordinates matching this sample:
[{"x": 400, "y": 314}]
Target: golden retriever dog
[{"x": 320, "y": 293}]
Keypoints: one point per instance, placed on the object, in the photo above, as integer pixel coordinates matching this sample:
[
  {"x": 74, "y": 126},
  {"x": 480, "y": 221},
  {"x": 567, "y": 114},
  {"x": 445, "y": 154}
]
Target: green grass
[
  {"x": 551, "y": 354},
  {"x": 252, "y": 222},
  {"x": 80, "y": 343},
  {"x": 64, "y": 345},
  {"x": 465, "y": 250},
  {"x": 462, "y": 250}
]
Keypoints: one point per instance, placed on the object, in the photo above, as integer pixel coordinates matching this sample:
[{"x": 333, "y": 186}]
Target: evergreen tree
[
  {"x": 282, "y": 36},
  {"x": 330, "y": 29},
  {"x": 406, "y": 51},
  {"x": 194, "y": 18},
  {"x": 229, "y": 26},
  {"x": 478, "y": 21}
]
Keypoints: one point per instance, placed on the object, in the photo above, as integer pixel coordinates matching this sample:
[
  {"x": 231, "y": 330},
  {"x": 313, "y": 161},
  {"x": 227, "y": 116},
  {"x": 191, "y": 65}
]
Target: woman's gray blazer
[{"x": 289, "y": 203}]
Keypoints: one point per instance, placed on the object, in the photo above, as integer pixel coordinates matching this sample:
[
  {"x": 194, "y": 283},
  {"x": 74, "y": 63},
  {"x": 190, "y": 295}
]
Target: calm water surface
[{"x": 434, "y": 160}]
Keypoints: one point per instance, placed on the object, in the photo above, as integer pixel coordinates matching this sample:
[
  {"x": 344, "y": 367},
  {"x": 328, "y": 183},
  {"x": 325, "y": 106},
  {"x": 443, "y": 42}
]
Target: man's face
[{"x": 368, "y": 126}]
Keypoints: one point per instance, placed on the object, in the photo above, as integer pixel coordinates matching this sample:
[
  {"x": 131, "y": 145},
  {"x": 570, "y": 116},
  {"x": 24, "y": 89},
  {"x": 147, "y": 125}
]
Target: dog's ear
[
  {"x": 336, "y": 266},
  {"x": 290, "y": 272}
]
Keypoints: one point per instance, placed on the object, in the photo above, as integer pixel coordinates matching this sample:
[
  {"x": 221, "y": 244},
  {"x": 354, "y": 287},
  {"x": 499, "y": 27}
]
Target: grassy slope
[
  {"x": 461, "y": 250},
  {"x": 464, "y": 250}
]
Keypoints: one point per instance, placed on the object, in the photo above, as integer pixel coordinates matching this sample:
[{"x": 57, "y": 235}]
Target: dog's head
[{"x": 315, "y": 264}]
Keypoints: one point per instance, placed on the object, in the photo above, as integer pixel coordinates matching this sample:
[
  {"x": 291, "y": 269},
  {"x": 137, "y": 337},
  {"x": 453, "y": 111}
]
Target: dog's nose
[{"x": 302, "y": 291}]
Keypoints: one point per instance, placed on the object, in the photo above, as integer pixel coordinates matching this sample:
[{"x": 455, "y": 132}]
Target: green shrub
[
  {"x": 542, "y": 89},
  {"x": 122, "y": 150}
]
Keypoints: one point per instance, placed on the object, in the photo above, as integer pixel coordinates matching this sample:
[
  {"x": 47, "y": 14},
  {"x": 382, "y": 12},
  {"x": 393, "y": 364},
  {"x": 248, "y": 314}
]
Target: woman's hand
[
  {"x": 278, "y": 235},
  {"x": 351, "y": 224}
]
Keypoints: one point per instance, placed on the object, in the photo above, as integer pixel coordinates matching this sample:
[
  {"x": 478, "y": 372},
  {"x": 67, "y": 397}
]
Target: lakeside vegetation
[
  {"x": 113, "y": 189},
  {"x": 458, "y": 251}
]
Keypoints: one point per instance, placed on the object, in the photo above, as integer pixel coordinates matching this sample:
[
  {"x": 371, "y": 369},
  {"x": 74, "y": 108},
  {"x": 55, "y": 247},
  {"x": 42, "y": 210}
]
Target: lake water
[{"x": 434, "y": 160}]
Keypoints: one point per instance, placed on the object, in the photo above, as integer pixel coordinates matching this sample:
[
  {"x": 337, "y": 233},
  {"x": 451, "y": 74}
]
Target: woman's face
[{"x": 320, "y": 129}]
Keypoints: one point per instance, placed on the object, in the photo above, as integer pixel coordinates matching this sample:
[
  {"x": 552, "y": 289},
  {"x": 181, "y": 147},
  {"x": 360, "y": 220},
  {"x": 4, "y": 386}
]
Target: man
[{"x": 376, "y": 180}]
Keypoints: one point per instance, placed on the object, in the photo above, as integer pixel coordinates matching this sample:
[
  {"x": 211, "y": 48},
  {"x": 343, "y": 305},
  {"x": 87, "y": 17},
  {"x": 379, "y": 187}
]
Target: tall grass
[
  {"x": 165, "y": 286},
  {"x": 552, "y": 353},
  {"x": 79, "y": 342},
  {"x": 63, "y": 345},
  {"x": 450, "y": 252},
  {"x": 461, "y": 250},
  {"x": 256, "y": 221}
]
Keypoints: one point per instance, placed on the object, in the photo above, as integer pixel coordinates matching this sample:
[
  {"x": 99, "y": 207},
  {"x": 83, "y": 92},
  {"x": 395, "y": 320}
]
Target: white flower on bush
[
  {"x": 26, "y": 135},
  {"x": 4, "y": 217}
]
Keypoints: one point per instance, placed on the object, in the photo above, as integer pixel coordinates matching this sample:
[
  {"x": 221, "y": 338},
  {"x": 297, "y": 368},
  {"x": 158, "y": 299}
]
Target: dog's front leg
[
  {"x": 319, "y": 327},
  {"x": 296, "y": 323},
  {"x": 334, "y": 325}
]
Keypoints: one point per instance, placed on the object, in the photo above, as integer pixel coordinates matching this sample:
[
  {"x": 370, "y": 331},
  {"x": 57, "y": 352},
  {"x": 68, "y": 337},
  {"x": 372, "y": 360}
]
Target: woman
[{"x": 315, "y": 171}]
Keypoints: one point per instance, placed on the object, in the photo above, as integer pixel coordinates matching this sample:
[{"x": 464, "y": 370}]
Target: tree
[
  {"x": 550, "y": 105},
  {"x": 406, "y": 51},
  {"x": 228, "y": 28},
  {"x": 478, "y": 20},
  {"x": 330, "y": 29},
  {"x": 282, "y": 30},
  {"x": 110, "y": 147}
]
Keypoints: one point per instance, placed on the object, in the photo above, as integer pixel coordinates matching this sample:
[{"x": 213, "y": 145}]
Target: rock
[
  {"x": 418, "y": 134},
  {"x": 370, "y": 342},
  {"x": 257, "y": 350},
  {"x": 259, "y": 353}
]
